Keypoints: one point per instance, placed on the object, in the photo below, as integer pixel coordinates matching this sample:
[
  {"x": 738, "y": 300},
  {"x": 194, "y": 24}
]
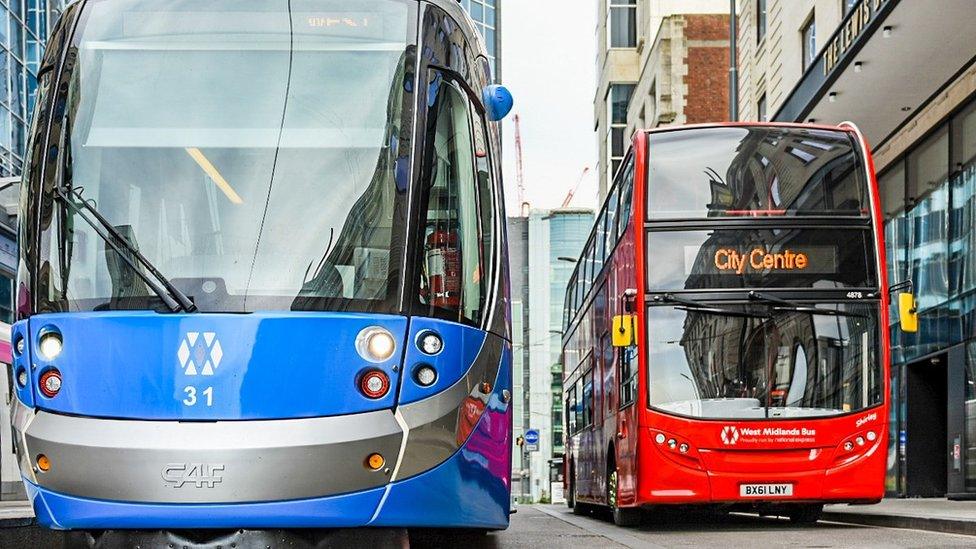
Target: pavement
[
  {"x": 15, "y": 513},
  {"x": 893, "y": 523},
  {"x": 932, "y": 514}
]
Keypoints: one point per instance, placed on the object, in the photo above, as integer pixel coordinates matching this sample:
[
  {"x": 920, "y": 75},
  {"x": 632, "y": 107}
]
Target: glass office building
[
  {"x": 24, "y": 27},
  {"x": 487, "y": 17},
  {"x": 929, "y": 198},
  {"x": 924, "y": 147}
]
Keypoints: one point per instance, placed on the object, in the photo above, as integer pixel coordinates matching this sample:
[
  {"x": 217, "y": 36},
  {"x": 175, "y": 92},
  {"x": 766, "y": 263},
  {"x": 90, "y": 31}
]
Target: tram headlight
[
  {"x": 50, "y": 345},
  {"x": 19, "y": 345},
  {"x": 872, "y": 436},
  {"x": 22, "y": 378},
  {"x": 375, "y": 344},
  {"x": 430, "y": 343},
  {"x": 425, "y": 375},
  {"x": 660, "y": 438}
]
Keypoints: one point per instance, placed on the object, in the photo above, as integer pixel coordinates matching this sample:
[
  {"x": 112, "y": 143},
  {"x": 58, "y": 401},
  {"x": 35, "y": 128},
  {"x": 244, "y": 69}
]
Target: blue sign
[{"x": 532, "y": 436}]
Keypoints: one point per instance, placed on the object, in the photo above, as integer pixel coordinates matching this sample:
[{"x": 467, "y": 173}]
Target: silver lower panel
[
  {"x": 220, "y": 462},
  {"x": 248, "y": 461}
]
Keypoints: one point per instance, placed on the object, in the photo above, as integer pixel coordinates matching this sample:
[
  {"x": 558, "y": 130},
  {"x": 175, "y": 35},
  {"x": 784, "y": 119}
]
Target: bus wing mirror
[
  {"x": 908, "y": 312},
  {"x": 623, "y": 330}
]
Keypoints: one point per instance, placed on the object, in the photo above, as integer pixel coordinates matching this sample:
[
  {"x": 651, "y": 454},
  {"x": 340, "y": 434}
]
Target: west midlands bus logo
[
  {"x": 200, "y": 354},
  {"x": 730, "y": 435}
]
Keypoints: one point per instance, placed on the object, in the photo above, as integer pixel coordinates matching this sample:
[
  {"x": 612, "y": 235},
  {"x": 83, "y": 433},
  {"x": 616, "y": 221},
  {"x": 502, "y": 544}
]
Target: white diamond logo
[
  {"x": 199, "y": 356},
  {"x": 730, "y": 435},
  {"x": 183, "y": 354}
]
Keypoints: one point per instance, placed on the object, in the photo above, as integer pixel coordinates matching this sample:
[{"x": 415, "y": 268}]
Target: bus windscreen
[
  {"x": 757, "y": 171},
  {"x": 761, "y": 361}
]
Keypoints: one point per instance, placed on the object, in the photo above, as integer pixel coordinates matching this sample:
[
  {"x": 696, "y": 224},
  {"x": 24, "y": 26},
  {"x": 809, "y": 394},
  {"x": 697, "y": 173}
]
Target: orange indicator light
[
  {"x": 43, "y": 463},
  {"x": 375, "y": 462}
]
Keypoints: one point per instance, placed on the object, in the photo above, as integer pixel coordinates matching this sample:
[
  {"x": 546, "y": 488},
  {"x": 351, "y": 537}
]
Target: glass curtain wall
[
  {"x": 24, "y": 27},
  {"x": 485, "y": 15},
  {"x": 929, "y": 202}
]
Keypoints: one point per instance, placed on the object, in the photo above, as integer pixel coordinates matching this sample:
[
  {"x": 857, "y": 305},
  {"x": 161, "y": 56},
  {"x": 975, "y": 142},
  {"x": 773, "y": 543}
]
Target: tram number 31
[{"x": 191, "y": 396}]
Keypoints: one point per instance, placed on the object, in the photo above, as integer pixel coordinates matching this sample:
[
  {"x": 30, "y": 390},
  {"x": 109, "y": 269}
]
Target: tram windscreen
[
  {"x": 249, "y": 149},
  {"x": 760, "y": 361},
  {"x": 758, "y": 171}
]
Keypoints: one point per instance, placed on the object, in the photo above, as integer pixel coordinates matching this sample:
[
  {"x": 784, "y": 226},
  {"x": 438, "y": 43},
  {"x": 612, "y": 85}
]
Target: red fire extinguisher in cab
[{"x": 444, "y": 269}]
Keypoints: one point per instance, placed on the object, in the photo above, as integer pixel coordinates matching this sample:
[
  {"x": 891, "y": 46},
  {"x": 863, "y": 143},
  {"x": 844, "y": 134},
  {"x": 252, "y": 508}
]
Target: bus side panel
[{"x": 628, "y": 269}]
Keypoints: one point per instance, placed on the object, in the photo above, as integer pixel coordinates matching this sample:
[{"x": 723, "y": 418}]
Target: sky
[{"x": 548, "y": 63}]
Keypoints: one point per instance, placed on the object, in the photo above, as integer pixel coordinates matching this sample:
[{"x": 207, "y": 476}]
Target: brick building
[{"x": 660, "y": 63}]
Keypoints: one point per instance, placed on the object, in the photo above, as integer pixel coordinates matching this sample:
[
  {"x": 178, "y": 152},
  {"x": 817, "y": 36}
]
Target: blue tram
[{"x": 263, "y": 275}]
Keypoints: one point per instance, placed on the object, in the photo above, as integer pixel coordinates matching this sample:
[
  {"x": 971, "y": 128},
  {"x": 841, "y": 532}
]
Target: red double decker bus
[{"x": 726, "y": 329}]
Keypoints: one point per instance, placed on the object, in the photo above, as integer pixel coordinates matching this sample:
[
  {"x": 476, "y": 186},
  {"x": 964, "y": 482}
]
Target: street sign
[{"x": 531, "y": 438}]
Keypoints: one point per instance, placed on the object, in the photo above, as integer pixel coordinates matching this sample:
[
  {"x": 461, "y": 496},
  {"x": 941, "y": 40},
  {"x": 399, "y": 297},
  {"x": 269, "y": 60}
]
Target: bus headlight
[
  {"x": 50, "y": 345},
  {"x": 375, "y": 344}
]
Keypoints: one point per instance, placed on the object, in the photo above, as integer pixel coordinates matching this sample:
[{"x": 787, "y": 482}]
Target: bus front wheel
[{"x": 622, "y": 516}]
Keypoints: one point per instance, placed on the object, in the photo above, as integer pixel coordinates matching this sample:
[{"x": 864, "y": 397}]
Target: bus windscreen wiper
[
  {"x": 781, "y": 304},
  {"x": 174, "y": 299},
  {"x": 698, "y": 306}
]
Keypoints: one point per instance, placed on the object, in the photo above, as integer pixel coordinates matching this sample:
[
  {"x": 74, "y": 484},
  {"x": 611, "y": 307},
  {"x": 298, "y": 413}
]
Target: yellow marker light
[
  {"x": 375, "y": 462},
  {"x": 43, "y": 463},
  {"x": 211, "y": 170}
]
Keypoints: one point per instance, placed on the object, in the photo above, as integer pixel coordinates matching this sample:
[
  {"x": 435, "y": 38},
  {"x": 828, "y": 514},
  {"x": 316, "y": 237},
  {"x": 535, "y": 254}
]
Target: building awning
[{"x": 886, "y": 60}]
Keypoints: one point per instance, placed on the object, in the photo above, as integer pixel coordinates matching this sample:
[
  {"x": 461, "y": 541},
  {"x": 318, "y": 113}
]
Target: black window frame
[
  {"x": 475, "y": 108},
  {"x": 761, "y": 21}
]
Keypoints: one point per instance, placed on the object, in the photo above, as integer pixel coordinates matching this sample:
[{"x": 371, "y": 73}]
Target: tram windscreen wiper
[
  {"x": 700, "y": 307},
  {"x": 781, "y": 304},
  {"x": 174, "y": 299}
]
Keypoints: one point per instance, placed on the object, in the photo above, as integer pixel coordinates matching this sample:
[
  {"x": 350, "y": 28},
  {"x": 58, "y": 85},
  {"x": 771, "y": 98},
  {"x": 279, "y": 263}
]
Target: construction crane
[
  {"x": 523, "y": 205},
  {"x": 572, "y": 193}
]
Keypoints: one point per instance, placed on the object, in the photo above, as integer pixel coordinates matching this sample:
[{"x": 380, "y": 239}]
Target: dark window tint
[
  {"x": 571, "y": 410},
  {"x": 760, "y": 258},
  {"x": 611, "y": 231},
  {"x": 626, "y": 196},
  {"x": 760, "y": 20},
  {"x": 622, "y": 24},
  {"x": 627, "y": 358},
  {"x": 758, "y": 171},
  {"x": 588, "y": 398},
  {"x": 809, "y": 35},
  {"x": 452, "y": 284}
]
